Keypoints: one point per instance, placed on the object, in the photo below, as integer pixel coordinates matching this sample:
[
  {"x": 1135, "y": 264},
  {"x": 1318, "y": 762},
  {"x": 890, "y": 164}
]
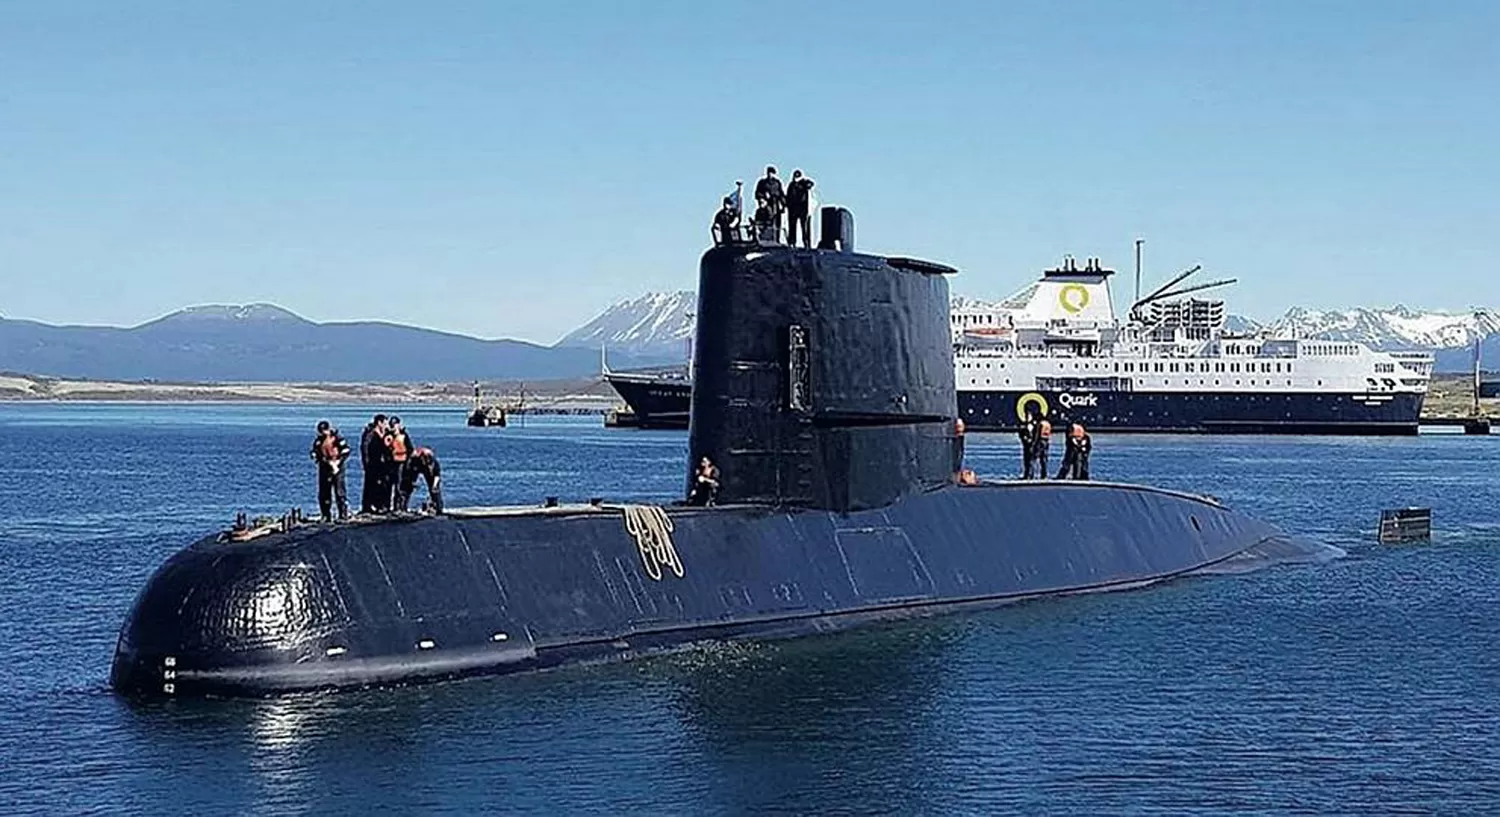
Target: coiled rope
[{"x": 652, "y": 530}]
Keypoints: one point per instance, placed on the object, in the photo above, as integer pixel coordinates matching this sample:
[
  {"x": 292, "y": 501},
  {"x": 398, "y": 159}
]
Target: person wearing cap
[
  {"x": 330, "y": 451},
  {"x": 726, "y": 222},
  {"x": 423, "y": 463},
  {"x": 798, "y": 204},
  {"x": 399, "y": 448},
  {"x": 769, "y": 188},
  {"x": 373, "y": 457}
]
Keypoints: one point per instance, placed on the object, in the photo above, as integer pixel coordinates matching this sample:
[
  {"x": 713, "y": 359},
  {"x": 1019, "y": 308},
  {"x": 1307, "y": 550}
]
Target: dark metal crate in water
[{"x": 1405, "y": 524}]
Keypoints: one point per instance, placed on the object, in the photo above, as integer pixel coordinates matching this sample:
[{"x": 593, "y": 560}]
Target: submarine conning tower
[{"x": 823, "y": 378}]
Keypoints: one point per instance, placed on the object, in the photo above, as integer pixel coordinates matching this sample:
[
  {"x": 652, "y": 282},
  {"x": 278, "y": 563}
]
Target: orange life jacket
[{"x": 397, "y": 444}]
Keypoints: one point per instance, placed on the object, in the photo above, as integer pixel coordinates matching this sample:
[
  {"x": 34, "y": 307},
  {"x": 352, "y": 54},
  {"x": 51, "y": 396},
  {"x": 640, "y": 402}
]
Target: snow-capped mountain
[
  {"x": 660, "y": 325},
  {"x": 1399, "y": 327},
  {"x": 657, "y": 324}
]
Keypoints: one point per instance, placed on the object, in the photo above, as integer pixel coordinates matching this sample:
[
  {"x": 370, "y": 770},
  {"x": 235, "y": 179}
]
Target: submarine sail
[{"x": 825, "y": 396}]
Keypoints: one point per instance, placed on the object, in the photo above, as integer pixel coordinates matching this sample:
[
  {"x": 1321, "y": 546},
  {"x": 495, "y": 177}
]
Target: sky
[{"x": 509, "y": 169}]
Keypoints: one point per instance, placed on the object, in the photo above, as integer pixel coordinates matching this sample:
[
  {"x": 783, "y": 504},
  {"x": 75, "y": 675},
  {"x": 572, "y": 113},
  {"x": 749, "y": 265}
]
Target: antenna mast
[{"x": 1138, "y": 243}]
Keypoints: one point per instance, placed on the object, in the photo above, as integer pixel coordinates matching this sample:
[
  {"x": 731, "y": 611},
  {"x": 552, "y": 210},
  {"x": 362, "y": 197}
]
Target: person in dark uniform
[
  {"x": 798, "y": 200},
  {"x": 766, "y": 223},
  {"x": 330, "y": 451},
  {"x": 726, "y": 223},
  {"x": 398, "y": 448},
  {"x": 372, "y": 458},
  {"x": 1043, "y": 443},
  {"x": 705, "y": 483},
  {"x": 1030, "y": 431},
  {"x": 1075, "y": 464},
  {"x": 769, "y": 188},
  {"x": 422, "y": 463}
]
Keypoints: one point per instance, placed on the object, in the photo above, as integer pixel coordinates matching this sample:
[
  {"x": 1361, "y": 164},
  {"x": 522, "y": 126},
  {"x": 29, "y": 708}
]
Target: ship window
[
  {"x": 1158, "y": 367},
  {"x": 1173, "y": 367}
]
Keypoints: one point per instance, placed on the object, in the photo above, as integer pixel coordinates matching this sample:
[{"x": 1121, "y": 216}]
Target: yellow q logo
[
  {"x": 1027, "y": 399},
  {"x": 1073, "y": 297}
]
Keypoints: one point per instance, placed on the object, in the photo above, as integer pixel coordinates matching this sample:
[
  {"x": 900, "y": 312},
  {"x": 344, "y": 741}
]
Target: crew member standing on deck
[
  {"x": 372, "y": 458},
  {"x": 798, "y": 201},
  {"x": 330, "y": 451},
  {"x": 1075, "y": 463},
  {"x": 424, "y": 463},
  {"x": 1030, "y": 431},
  {"x": 398, "y": 444},
  {"x": 1043, "y": 442},
  {"x": 769, "y": 188}
]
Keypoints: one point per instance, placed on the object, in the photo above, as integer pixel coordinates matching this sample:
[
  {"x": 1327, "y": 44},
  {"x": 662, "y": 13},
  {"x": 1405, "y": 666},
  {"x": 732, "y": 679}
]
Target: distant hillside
[{"x": 262, "y": 343}]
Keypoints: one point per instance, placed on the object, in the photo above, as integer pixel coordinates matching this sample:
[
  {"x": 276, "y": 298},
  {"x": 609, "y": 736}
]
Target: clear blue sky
[{"x": 508, "y": 168}]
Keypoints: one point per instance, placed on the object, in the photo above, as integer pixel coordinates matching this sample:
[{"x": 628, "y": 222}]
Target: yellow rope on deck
[{"x": 652, "y": 530}]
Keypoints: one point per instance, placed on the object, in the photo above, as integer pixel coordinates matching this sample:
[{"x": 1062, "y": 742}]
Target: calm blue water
[{"x": 1366, "y": 685}]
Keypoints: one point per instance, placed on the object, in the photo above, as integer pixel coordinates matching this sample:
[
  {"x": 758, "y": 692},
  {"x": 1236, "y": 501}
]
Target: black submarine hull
[{"x": 510, "y": 590}]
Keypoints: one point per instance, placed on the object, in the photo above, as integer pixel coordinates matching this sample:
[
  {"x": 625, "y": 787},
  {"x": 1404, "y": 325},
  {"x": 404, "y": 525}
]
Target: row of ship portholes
[
  {"x": 1148, "y": 398},
  {"x": 1164, "y": 382}
]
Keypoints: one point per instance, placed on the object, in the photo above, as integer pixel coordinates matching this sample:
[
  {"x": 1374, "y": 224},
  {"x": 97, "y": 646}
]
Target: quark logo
[
  {"x": 1078, "y": 400},
  {"x": 1073, "y": 298}
]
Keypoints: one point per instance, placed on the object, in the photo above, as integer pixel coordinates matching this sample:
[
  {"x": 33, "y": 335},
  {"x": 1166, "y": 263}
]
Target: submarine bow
[{"x": 824, "y": 395}]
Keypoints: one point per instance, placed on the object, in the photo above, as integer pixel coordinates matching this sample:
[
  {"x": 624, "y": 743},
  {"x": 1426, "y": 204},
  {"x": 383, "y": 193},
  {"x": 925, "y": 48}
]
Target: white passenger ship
[{"x": 1168, "y": 366}]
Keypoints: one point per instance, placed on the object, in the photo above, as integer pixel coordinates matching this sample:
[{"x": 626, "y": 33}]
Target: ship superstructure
[{"x": 1169, "y": 365}]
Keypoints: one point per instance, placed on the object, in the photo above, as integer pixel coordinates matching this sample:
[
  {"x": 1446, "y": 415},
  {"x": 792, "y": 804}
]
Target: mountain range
[
  {"x": 264, "y": 343},
  {"x": 658, "y": 324}
]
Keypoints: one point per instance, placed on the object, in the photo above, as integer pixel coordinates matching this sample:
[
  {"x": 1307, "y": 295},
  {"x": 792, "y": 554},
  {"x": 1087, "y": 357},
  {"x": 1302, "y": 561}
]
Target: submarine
[{"x": 825, "y": 397}]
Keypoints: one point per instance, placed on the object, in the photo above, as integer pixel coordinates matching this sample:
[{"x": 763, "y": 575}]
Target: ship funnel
[{"x": 823, "y": 378}]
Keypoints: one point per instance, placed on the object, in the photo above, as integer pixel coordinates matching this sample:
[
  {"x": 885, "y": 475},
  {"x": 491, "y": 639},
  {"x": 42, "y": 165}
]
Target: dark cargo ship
[{"x": 825, "y": 396}]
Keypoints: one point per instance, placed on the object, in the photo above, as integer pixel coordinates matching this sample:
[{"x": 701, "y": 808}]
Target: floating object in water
[{"x": 1405, "y": 525}]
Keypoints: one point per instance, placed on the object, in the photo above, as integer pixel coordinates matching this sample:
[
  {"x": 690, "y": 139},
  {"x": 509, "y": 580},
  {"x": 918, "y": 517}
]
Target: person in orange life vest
[
  {"x": 424, "y": 463},
  {"x": 330, "y": 451},
  {"x": 1043, "y": 442},
  {"x": 399, "y": 448},
  {"x": 1075, "y": 463}
]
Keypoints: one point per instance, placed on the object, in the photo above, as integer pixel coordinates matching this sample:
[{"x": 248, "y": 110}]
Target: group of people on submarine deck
[
  {"x": 1036, "y": 439},
  {"x": 772, "y": 202},
  {"x": 391, "y": 462}
]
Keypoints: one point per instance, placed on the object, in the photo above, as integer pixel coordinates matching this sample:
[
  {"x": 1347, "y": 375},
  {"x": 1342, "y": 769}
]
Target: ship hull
[
  {"x": 1202, "y": 412},
  {"x": 655, "y": 402},
  {"x": 666, "y": 405},
  {"x": 433, "y": 598}
]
